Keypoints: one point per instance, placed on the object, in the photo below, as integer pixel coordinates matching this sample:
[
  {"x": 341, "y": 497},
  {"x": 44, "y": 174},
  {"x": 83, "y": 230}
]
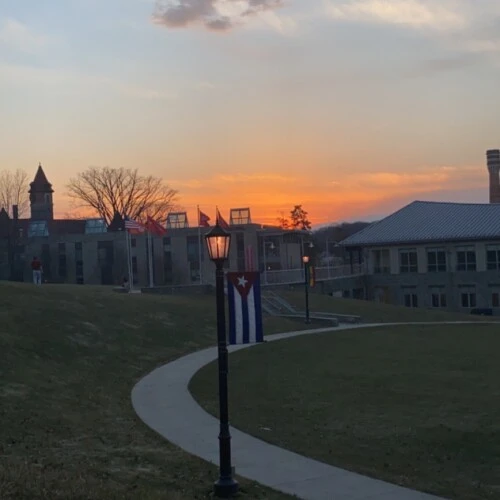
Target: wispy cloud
[
  {"x": 204, "y": 85},
  {"x": 349, "y": 192},
  {"x": 416, "y": 13},
  {"x": 218, "y": 15},
  {"x": 21, "y": 75},
  {"x": 465, "y": 25},
  {"x": 17, "y": 36},
  {"x": 263, "y": 177}
]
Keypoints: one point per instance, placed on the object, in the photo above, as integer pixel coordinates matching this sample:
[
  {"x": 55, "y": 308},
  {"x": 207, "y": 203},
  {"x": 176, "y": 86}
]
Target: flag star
[{"x": 242, "y": 281}]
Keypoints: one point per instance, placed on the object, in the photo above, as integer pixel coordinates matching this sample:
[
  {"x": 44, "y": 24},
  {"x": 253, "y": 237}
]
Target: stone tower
[
  {"x": 41, "y": 191},
  {"x": 493, "y": 161}
]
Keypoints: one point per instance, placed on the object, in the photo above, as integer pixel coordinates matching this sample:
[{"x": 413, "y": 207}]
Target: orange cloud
[{"x": 350, "y": 195}]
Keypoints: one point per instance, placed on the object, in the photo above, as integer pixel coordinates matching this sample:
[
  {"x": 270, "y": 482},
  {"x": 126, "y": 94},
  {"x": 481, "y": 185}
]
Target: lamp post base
[{"x": 226, "y": 488}]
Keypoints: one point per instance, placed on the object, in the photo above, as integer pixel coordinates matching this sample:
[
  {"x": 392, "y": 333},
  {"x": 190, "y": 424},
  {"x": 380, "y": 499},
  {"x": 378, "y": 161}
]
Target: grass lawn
[
  {"x": 415, "y": 405},
  {"x": 372, "y": 312},
  {"x": 70, "y": 356}
]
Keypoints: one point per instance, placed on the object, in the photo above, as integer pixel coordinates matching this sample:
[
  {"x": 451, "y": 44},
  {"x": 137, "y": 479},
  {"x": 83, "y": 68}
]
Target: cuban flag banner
[{"x": 245, "y": 311}]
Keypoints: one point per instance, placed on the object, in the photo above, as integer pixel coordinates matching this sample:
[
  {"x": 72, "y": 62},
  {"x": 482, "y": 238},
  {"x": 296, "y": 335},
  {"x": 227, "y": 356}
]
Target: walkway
[{"x": 162, "y": 400}]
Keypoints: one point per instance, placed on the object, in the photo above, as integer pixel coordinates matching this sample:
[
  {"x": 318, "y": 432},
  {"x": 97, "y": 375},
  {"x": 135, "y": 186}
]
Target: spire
[
  {"x": 40, "y": 182},
  {"x": 42, "y": 207}
]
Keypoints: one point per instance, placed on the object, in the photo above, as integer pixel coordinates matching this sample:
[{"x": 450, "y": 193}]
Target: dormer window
[
  {"x": 93, "y": 226},
  {"x": 38, "y": 228}
]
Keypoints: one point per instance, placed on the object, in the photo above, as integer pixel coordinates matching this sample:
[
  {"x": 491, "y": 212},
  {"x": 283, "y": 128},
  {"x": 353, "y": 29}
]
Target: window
[
  {"x": 62, "y": 260},
  {"x": 79, "y": 263},
  {"x": 495, "y": 299},
  {"x": 381, "y": 261},
  {"x": 46, "y": 262},
  {"x": 193, "y": 248},
  {"x": 193, "y": 257},
  {"x": 436, "y": 260},
  {"x": 134, "y": 264},
  {"x": 466, "y": 259},
  {"x": 78, "y": 251},
  {"x": 167, "y": 266},
  {"x": 410, "y": 297},
  {"x": 240, "y": 216},
  {"x": 438, "y": 297},
  {"x": 240, "y": 251},
  {"x": 133, "y": 242},
  {"x": 493, "y": 257},
  {"x": 93, "y": 226},
  {"x": 38, "y": 228},
  {"x": 468, "y": 296},
  {"x": 408, "y": 261},
  {"x": 177, "y": 220}
]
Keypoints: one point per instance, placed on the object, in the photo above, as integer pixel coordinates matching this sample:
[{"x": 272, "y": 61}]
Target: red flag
[
  {"x": 203, "y": 219},
  {"x": 222, "y": 223},
  {"x": 155, "y": 227}
]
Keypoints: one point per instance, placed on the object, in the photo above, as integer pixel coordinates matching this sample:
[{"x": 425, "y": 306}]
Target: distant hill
[{"x": 336, "y": 233}]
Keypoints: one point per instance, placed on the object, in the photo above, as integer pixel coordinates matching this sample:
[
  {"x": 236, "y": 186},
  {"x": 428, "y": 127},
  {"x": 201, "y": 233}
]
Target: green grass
[
  {"x": 415, "y": 405},
  {"x": 373, "y": 312},
  {"x": 70, "y": 356}
]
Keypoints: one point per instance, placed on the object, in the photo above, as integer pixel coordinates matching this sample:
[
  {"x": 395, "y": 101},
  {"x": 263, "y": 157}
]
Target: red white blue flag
[{"x": 245, "y": 310}]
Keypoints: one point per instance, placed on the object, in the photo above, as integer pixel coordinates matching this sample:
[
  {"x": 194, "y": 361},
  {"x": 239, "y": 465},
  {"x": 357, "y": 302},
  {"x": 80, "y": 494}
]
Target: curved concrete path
[{"x": 163, "y": 402}]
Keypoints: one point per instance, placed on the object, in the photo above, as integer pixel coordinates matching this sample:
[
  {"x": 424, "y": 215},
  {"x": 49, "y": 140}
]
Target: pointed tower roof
[
  {"x": 40, "y": 182},
  {"x": 117, "y": 223}
]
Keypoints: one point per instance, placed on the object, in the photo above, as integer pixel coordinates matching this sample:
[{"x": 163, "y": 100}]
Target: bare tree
[
  {"x": 283, "y": 221},
  {"x": 107, "y": 190},
  {"x": 14, "y": 187}
]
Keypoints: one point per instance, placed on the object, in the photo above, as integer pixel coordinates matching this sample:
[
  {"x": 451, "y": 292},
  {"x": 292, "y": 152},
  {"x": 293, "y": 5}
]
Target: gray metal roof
[{"x": 428, "y": 221}]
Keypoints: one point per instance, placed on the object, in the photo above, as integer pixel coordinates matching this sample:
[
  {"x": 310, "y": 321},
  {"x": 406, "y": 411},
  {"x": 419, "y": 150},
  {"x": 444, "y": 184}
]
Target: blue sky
[{"x": 351, "y": 108}]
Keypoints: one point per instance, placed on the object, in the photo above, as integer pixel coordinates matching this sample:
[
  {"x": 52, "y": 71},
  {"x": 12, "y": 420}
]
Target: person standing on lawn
[{"x": 36, "y": 267}]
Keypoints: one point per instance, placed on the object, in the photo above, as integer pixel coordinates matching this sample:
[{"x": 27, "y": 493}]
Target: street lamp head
[
  {"x": 305, "y": 259},
  {"x": 218, "y": 243}
]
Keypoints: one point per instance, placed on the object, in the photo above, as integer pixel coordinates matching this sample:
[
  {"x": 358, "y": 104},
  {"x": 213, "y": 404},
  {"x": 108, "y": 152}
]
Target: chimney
[
  {"x": 15, "y": 212},
  {"x": 493, "y": 162}
]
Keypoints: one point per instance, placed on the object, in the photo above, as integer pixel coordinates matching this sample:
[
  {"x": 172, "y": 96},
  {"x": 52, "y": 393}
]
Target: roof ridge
[{"x": 453, "y": 203}]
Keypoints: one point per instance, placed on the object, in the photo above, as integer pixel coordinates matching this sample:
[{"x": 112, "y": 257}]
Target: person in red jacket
[{"x": 36, "y": 267}]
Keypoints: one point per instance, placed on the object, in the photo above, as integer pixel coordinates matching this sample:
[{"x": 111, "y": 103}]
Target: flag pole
[
  {"x": 200, "y": 250},
  {"x": 150, "y": 245}
]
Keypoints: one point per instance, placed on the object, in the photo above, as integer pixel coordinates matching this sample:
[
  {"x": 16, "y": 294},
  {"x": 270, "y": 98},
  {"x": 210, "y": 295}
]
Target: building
[
  {"x": 493, "y": 162},
  {"x": 90, "y": 252},
  {"x": 433, "y": 254}
]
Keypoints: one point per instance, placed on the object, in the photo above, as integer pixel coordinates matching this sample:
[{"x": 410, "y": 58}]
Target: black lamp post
[
  {"x": 305, "y": 260},
  {"x": 218, "y": 242}
]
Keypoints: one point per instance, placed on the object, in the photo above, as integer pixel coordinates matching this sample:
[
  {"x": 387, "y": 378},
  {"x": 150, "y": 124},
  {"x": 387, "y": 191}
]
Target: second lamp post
[{"x": 305, "y": 260}]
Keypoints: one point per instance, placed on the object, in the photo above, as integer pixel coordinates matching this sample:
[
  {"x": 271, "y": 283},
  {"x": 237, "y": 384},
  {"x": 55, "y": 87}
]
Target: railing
[
  {"x": 285, "y": 276},
  {"x": 321, "y": 273}
]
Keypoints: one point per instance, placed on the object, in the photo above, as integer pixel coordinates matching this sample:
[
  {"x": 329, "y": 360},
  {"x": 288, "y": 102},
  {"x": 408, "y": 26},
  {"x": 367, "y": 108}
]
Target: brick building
[{"x": 90, "y": 252}]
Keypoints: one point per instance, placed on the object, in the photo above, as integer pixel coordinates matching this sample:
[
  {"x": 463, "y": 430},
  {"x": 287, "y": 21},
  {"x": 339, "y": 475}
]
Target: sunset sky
[{"x": 350, "y": 108}]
